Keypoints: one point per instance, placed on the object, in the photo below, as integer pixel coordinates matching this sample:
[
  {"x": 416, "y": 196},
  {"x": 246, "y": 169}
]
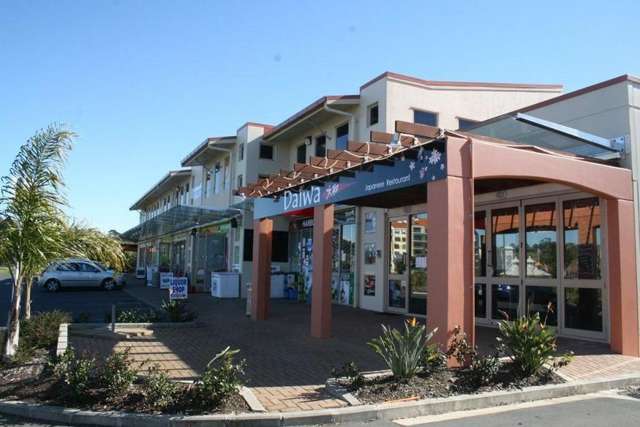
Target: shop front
[
  {"x": 477, "y": 231},
  {"x": 344, "y": 241}
]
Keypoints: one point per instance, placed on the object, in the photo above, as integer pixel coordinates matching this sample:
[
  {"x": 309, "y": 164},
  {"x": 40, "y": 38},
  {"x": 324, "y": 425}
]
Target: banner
[
  {"x": 165, "y": 280},
  {"x": 179, "y": 288}
]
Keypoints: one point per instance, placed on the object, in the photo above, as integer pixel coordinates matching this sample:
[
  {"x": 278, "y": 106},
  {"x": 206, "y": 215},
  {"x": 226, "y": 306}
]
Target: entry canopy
[
  {"x": 178, "y": 218},
  {"x": 364, "y": 170}
]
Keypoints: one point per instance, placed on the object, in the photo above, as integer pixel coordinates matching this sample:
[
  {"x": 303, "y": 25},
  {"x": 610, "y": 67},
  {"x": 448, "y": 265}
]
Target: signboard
[
  {"x": 165, "y": 280},
  {"x": 419, "y": 166},
  {"x": 179, "y": 288}
]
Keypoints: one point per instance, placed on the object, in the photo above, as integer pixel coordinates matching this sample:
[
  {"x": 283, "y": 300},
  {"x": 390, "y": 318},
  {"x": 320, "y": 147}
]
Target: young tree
[{"x": 31, "y": 219}]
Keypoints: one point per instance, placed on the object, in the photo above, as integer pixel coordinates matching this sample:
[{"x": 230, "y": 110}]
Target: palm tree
[
  {"x": 82, "y": 240},
  {"x": 31, "y": 218}
]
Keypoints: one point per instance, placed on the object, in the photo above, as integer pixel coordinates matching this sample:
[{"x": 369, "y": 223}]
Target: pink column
[
  {"x": 623, "y": 288},
  {"x": 261, "y": 275},
  {"x": 450, "y": 270},
  {"x": 322, "y": 268}
]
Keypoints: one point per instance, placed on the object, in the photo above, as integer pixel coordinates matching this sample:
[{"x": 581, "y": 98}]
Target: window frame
[
  {"x": 370, "y": 108},
  {"x": 260, "y": 153},
  {"x": 341, "y": 125},
  {"x": 420, "y": 110},
  {"x": 470, "y": 121},
  {"x": 298, "y": 148}
]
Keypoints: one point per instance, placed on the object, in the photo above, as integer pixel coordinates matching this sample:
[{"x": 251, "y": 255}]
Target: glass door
[
  {"x": 398, "y": 265},
  {"x": 418, "y": 265},
  {"x": 505, "y": 262}
]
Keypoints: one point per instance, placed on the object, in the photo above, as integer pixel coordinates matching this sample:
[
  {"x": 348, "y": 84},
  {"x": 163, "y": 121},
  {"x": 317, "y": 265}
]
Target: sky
[{"x": 143, "y": 82}]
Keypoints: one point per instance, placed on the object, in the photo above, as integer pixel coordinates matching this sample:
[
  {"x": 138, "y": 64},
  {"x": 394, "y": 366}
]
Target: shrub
[
  {"x": 483, "y": 370},
  {"x": 41, "y": 330},
  {"x": 221, "y": 378},
  {"x": 76, "y": 373},
  {"x": 352, "y": 373},
  {"x": 83, "y": 317},
  {"x": 433, "y": 358},
  {"x": 116, "y": 375},
  {"x": 528, "y": 342},
  {"x": 176, "y": 311},
  {"x": 460, "y": 348},
  {"x": 403, "y": 352},
  {"x": 133, "y": 315},
  {"x": 160, "y": 392}
]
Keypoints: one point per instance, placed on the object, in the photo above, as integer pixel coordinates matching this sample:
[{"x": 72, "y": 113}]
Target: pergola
[{"x": 420, "y": 163}]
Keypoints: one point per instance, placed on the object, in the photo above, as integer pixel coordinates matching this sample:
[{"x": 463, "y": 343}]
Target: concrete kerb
[{"x": 384, "y": 411}]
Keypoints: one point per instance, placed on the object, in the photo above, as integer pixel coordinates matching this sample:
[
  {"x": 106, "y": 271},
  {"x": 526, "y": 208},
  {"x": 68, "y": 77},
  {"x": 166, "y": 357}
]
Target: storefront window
[
  {"x": 481, "y": 300},
  {"x": 583, "y": 308},
  {"x": 398, "y": 249},
  {"x": 540, "y": 240},
  {"x": 504, "y": 301},
  {"x": 544, "y": 301},
  {"x": 480, "y": 244},
  {"x": 582, "y": 239},
  {"x": 344, "y": 257},
  {"x": 165, "y": 257},
  {"x": 418, "y": 265},
  {"x": 506, "y": 242}
]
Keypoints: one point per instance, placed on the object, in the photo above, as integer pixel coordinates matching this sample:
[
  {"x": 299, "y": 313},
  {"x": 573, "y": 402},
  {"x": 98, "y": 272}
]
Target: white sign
[
  {"x": 165, "y": 280},
  {"x": 179, "y": 288}
]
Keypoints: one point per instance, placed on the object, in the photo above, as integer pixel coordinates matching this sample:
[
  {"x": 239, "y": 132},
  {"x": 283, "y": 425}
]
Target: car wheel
[
  {"x": 52, "y": 285},
  {"x": 109, "y": 284}
]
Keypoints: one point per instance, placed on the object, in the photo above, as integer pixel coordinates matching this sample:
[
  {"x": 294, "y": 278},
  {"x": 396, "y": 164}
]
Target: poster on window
[
  {"x": 370, "y": 222},
  {"x": 165, "y": 280},
  {"x": 179, "y": 288},
  {"x": 370, "y": 285},
  {"x": 369, "y": 253}
]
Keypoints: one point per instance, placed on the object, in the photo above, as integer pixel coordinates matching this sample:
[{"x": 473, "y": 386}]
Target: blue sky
[{"x": 143, "y": 82}]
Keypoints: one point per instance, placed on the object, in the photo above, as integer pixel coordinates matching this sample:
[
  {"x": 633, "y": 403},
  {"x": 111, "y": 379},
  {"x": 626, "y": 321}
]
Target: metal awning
[{"x": 179, "y": 218}]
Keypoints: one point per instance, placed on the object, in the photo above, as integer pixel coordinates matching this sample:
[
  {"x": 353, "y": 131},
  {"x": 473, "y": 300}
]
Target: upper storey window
[{"x": 425, "y": 118}]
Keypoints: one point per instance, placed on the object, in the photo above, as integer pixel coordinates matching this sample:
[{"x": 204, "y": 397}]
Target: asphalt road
[
  {"x": 94, "y": 302},
  {"x": 588, "y": 411}
]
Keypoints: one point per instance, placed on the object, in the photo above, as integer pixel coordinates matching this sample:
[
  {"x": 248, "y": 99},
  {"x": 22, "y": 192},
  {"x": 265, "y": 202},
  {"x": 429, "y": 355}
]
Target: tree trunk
[
  {"x": 13, "y": 322},
  {"x": 27, "y": 298}
]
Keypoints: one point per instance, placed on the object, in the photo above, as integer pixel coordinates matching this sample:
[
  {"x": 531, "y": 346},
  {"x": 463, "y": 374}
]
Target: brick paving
[{"x": 286, "y": 368}]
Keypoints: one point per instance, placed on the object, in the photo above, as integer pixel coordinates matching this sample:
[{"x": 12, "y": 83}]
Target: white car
[{"x": 79, "y": 273}]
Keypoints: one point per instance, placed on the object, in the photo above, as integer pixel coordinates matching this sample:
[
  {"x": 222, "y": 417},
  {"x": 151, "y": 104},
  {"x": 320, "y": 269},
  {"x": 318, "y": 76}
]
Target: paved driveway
[{"x": 94, "y": 302}]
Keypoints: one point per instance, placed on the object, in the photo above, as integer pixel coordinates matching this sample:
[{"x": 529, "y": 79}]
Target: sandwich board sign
[
  {"x": 179, "y": 288},
  {"x": 165, "y": 280}
]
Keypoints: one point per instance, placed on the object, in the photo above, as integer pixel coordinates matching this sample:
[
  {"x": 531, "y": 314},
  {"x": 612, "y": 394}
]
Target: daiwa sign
[{"x": 426, "y": 164}]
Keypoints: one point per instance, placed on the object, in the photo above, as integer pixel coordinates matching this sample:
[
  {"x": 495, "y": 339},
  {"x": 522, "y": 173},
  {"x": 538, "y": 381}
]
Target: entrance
[
  {"x": 541, "y": 255},
  {"x": 407, "y": 274}
]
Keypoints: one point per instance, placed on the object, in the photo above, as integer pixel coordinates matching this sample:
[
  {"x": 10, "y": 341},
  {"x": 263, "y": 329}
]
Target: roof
[
  {"x": 560, "y": 98},
  {"x": 307, "y": 111},
  {"x": 204, "y": 145},
  {"x": 170, "y": 178},
  {"x": 403, "y": 77},
  {"x": 266, "y": 127}
]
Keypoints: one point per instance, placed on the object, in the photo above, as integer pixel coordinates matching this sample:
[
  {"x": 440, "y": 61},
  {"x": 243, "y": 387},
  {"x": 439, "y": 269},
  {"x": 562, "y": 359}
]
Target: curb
[{"x": 363, "y": 413}]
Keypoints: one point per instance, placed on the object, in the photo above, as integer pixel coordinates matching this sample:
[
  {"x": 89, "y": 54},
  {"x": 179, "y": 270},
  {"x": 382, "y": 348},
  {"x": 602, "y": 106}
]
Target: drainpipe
[{"x": 352, "y": 120}]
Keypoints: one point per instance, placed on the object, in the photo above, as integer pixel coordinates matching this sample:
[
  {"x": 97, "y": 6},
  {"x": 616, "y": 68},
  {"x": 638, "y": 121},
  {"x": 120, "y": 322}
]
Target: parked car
[{"x": 79, "y": 273}]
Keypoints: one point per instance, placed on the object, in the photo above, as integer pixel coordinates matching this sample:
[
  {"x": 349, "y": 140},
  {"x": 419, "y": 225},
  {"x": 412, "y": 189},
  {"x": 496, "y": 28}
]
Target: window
[
  {"x": 266, "y": 151},
  {"x": 207, "y": 184},
  {"x": 504, "y": 301},
  {"x": 539, "y": 298},
  {"x": 227, "y": 171},
  {"x": 217, "y": 181},
  {"x": 373, "y": 114},
  {"x": 540, "y": 240},
  {"x": 582, "y": 239},
  {"x": 279, "y": 246},
  {"x": 506, "y": 242},
  {"x": 239, "y": 179},
  {"x": 240, "y": 152},
  {"x": 425, "y": 118},
  {"x": 583, "y": 309},
  {"x": 321, "y": 146},
  {"x": 481, "y": 300},
  {"x": 480, "y": 244},
  {"x": 301, "y": 153},
  {"x": 342, "y": 137},
  {"x": 464, "y": 124}
]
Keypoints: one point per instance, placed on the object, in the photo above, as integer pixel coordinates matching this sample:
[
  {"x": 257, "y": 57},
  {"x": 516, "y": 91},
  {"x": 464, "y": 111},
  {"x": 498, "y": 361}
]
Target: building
[{"x": 532, "y": 209}]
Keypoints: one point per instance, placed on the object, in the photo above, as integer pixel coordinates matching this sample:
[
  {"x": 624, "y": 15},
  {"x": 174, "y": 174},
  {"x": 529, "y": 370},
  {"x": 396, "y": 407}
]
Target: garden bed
[
  {"x": 438, "y": 384},
  {"x": 33, "y": 382}
]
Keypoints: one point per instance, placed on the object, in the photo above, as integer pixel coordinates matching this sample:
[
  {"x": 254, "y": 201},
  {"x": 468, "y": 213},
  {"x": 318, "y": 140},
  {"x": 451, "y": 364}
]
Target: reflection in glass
[
  {"x": 540, "y": 240},
  {"x": 480, "y": 244},
  {"x": 397, "y": 293},
  {"x": 583, "y": 309},
  {"x": 506, "y": 242},
  {"x": 418, "y": 264},
  {"x": 544, "y": 301},
  {"x": 398, "y": 246},
  {"x": 481, "y": 300},
  {"x": 504, "y": 301},
  {"x": 582, "y": 239}
]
